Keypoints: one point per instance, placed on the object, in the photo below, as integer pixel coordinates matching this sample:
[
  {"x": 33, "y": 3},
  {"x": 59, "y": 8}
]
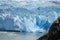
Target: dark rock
[{"x": 54, "y": 32}]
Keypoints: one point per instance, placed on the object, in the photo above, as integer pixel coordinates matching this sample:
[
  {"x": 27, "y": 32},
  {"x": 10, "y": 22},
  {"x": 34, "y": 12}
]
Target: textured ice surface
[{"x": 28, "y": 16}]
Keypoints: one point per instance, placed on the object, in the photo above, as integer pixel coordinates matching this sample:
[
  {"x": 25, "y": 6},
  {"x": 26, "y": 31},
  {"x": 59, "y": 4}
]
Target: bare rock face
[{"x": 54, "y": 32}]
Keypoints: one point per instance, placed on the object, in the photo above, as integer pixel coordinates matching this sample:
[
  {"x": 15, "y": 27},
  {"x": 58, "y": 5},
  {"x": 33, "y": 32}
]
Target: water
[{"x": 19, "y": 36}]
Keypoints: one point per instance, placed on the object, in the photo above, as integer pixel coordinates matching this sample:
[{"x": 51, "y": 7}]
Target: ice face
[
  {"x": 29, "y": 23},
  {"x": 30, "y": 17}
]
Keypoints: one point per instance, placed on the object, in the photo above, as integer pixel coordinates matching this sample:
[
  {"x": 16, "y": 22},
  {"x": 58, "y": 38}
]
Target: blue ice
[{"x": 35, "y": 17}]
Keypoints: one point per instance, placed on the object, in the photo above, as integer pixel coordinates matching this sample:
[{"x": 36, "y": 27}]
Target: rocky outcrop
[{"x": 54, "y": 32}]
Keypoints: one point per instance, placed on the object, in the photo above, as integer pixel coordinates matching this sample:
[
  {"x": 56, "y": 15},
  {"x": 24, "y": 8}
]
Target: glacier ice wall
[{"x": 28, "y": 16}]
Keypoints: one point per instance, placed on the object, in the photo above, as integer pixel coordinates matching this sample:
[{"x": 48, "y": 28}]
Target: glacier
[{"x": 29, "y": 17}]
